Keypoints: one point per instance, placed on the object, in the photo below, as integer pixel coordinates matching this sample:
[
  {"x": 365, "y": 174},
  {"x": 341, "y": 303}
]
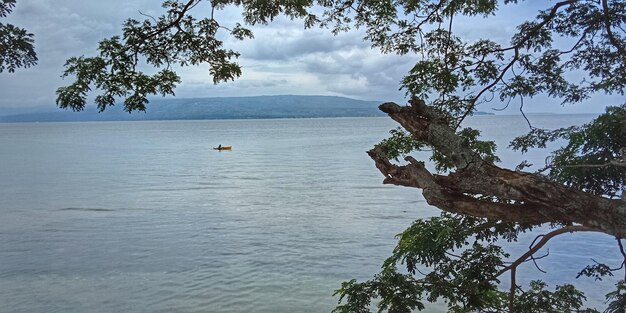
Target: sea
[{"x": 146, "y": 217}]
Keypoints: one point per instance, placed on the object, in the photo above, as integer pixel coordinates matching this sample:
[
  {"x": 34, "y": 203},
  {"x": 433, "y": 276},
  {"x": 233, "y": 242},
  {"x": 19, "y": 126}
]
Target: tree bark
[{"x": 515, "y": 196}]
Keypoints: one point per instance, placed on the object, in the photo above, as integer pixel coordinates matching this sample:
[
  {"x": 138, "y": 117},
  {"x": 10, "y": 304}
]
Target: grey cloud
[
  {"x": 285, "y": 44},
  {"x": 365, "y": 72},
  {"x": 244, "y": 87}
]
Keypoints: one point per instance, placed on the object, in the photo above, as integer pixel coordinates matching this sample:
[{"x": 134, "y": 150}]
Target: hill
[
  {"x": 213, "y": 108},
  {"x": 259, "y": 107}
]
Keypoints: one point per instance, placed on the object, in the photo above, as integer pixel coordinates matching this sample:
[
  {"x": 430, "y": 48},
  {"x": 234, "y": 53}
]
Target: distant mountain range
[{"x": 259, "y": 107}]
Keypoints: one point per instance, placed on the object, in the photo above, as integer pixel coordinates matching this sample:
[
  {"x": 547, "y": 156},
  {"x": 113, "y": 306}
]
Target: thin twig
[
  {"x": 621, "y": 249},
  {"x": 506, "y": 106},
  {"x": 521, "y": 109},
  {"x": 150, "y": 16},
  {"x": 539, "y": 244},
  {"x": 499, "y": 78},
  {"x": 534, "y": 259},
  {"x": 516, "y": 49}
]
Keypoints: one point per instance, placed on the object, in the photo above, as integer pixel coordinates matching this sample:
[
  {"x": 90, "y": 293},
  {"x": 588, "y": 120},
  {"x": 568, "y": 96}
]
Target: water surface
[{"x": 146, "y": 217}]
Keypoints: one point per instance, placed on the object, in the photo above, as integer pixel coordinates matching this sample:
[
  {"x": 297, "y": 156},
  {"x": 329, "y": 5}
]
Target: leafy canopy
[{"x": 16, "y": 44}]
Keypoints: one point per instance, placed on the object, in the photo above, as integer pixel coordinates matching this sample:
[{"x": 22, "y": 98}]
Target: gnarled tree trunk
[{"x": 521, "y": 197}]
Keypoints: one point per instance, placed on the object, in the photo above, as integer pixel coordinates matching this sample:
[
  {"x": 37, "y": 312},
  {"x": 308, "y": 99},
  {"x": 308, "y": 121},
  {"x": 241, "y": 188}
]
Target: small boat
[{"x": 223, "y": 148}]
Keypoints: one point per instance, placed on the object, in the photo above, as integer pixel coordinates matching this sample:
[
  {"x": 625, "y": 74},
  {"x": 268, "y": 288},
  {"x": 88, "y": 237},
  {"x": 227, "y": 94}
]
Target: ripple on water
[{"x": 88, "y": 209}]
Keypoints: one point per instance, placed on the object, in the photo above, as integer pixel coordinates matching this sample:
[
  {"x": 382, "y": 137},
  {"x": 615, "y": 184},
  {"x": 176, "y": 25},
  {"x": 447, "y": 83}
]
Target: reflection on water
[{"x": 145, "y": 216}]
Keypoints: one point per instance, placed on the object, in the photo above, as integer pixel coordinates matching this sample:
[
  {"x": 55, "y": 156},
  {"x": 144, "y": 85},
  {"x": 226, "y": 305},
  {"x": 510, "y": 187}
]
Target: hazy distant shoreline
[{"x": 219, "y": 108}]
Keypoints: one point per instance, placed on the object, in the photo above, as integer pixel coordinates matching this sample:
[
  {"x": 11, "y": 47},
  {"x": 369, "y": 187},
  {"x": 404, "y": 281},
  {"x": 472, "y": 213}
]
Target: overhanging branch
[{"x": 516, "y": 196}]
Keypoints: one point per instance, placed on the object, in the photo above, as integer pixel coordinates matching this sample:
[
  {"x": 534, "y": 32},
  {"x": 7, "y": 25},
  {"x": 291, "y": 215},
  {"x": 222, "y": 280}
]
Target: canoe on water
[{"x": 223, "y": 148}]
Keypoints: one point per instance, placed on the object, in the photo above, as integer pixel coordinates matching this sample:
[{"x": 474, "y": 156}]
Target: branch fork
[{"x": 481, "y": 189}]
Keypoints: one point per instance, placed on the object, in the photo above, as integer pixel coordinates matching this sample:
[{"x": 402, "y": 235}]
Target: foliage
[
  {"x": 466, "y": 280},
  {"x": 594, "y": 158},
  {"x": 398, "y": 293},
  {"x": 617, "y": 299},
  {"x": 175, "y": 38},
  {"x": 564, "y": 299},
  {"x": 399, "y": 144},
  {"x": 16, "y": 44}
]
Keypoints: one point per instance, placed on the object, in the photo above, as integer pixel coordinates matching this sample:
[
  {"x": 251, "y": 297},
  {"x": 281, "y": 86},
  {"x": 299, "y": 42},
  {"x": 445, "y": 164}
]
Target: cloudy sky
[{"x": 284, "y": 58}]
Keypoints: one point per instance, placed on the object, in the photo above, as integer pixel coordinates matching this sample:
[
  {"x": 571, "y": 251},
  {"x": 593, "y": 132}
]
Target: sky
[{"x": 283, "y": 58}]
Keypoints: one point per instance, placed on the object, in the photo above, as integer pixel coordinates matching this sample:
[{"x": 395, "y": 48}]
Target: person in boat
[{"x": 219, "y": 147}]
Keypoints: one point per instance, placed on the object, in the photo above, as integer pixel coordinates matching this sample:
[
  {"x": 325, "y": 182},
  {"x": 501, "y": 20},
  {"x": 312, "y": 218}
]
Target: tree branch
[
  {"x": 517, "y": 196},
  {"x": 512, "y": 290},
  {"x": 188, "y": 6},
  {"x": 609, "y": 32},
  {"x": 544, "y": 240},
  {"x": 621, "y": 249}
]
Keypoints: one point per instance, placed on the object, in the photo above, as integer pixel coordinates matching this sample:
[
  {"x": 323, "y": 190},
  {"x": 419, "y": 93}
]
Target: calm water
[{"x": 145, "y": 217}]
